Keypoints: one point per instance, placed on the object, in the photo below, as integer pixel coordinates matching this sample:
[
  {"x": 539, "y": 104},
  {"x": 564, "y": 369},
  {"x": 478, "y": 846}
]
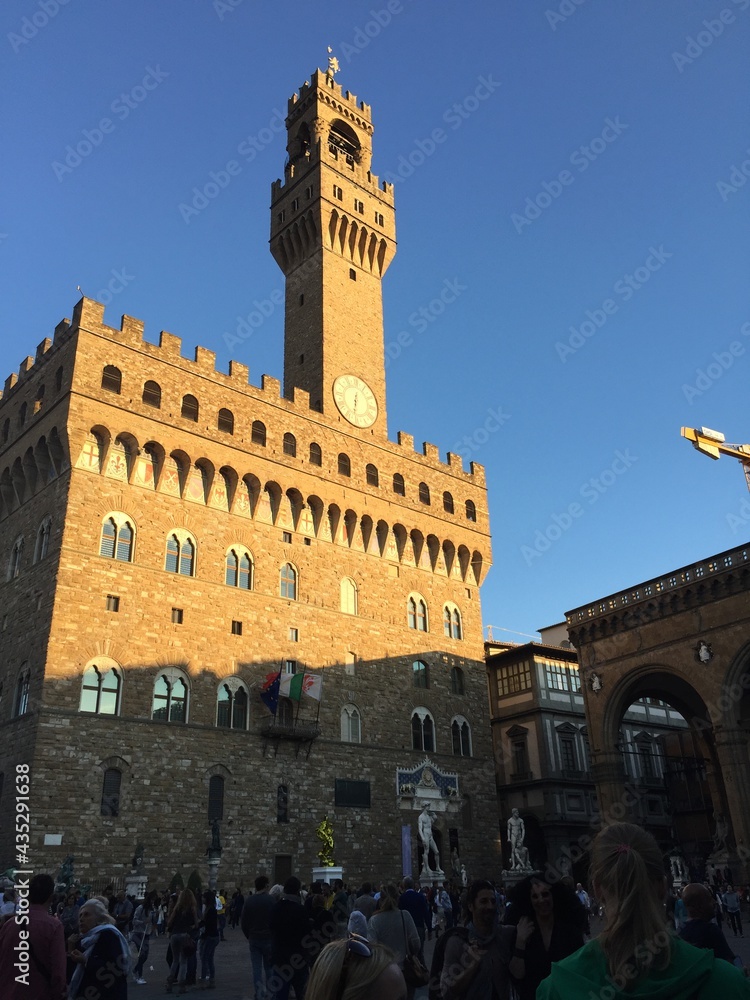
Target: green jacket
[{"x": 693, "y": 974}]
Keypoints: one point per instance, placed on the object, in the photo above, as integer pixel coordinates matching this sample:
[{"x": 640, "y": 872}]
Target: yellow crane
[{"x": 713, "y": 444}]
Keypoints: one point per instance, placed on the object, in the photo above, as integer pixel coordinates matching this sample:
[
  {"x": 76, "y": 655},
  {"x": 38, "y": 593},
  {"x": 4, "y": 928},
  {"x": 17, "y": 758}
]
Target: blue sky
[{"x": 576, "y": 170}]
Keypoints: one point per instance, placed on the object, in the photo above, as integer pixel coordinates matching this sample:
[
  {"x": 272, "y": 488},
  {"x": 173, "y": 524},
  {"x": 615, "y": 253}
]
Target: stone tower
[
  {"x": 174, "y": 537},
  {"x": 333, "y": 236}
]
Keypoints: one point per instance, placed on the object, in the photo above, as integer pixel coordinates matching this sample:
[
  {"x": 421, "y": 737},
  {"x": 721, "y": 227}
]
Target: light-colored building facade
[{"x": 174, "y": 537}]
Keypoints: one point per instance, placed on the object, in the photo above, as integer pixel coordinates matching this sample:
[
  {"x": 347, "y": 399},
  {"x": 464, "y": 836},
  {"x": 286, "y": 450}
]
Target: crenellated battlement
[
  {"x": 88, "y": 316},
  {"x": 30, "y": 365},
  {"x": 328, "y": 88}
]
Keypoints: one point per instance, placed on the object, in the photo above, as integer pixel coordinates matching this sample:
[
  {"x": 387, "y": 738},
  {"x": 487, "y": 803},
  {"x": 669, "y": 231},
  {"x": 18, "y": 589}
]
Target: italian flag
[{"x": 294, "y": 685}]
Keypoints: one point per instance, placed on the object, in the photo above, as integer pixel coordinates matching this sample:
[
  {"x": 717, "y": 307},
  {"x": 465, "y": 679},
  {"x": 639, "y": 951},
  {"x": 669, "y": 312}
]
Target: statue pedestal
[
  {"x": 135, "y": 885},
  {"x": 328, "y": 874},
  {"x": 214, "y": 860},
  {"x": 432, "y": 878}
]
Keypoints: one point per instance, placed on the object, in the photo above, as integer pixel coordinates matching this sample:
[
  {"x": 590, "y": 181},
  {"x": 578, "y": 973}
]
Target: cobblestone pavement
[{"x": 234, "y": 977}]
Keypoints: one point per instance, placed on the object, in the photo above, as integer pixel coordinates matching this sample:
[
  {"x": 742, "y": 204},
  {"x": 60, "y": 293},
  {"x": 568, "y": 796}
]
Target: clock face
[{"x": 355, "y": 400}]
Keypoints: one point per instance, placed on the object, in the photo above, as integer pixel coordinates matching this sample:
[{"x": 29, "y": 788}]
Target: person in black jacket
[
  {"x": 700, "y": 929},
  {"x": 292, "y": 943}
]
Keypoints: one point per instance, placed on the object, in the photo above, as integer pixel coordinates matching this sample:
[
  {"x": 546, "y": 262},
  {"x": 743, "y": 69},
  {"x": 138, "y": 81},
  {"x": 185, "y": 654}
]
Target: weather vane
[{"x": 333, "y": 65}]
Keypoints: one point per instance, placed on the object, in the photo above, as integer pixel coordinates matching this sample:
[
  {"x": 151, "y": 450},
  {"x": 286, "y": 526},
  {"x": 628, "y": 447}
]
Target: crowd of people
[{"x": 329, "y": 943}]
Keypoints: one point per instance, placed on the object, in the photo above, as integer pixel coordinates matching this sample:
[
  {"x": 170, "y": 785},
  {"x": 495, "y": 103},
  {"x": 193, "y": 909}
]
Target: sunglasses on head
[{"x": 355, "y": 945}]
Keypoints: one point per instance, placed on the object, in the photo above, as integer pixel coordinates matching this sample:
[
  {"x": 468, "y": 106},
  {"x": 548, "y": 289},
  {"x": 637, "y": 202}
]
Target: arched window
[
  {"x": 457, "y": 680},
  {"x": 22, "y": 414},
  {"x": 21, "y": 700},
  {"x": 422, "y": 730},
  {"x": 461, "y": 737},
  {"x": 58, "y": 379},
  {"x": 225, "y": 422},
  {"x": 232, "y": 705},
  {"x": 288, "y": 582},
  {"x": 351, "y": 728},
  {"x": 290, "y": 445},
  {"x": 239, "y": 568},
  {"x": 215, "y": 798},
  {"x": 14, "y": 566},
  {"x": 421, "y": 673},
  {"x": 316, "y": 454},
  {"x": 452, "y": 627},
  {"x": 112, "y": 379},
  {"x": 152, "y": 394},
  {"x": 6, "y": 429},
  {"x": 448, "y": 502},
  {"x": 349, "y": 596},
  {"x": 258, "y": 433},
  {"x": 416, "y": 613},
  {"x": 189, "y": 408},
  {"x": 110, "y": 804},
  {"x": 424, "y": 493},
  {"x": 371, "y": 472},
  {"x": 398, "y": 484},
  {"x": 116, "y": 540},
  {"x": 39, "y": 399},
  {"x": 100, "y": 690},
  {"x": 170, "y": 701},
  {"x": 345, "y": 466},
  {"x": 41, "y": 547},
  {"x": 180, "y": 556},
  {"x": 471, "y": 510}
]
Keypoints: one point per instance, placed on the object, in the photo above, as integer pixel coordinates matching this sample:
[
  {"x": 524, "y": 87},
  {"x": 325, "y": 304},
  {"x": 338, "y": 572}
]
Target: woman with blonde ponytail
[{"x": 637, "y": 955}]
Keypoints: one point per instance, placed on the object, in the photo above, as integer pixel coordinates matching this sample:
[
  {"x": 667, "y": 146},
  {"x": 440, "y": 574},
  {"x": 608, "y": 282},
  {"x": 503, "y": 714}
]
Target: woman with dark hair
[
  {"x": 635, "y": 954},
  {"x": 180, "y": 923},
  {"x": 548, "y": 929}
]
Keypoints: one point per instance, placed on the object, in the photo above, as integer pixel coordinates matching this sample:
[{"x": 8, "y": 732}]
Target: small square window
[
  {"x": 282, "y": 216},
  {"x": 236, "y": 627},
  {"x": 294, "y": 635},
  {"x": 290, "y": 666},
  {"x": 468, "y": 592},
  {"x": 308, "y": 541},
  {"x": 113, "y": 602},
  {"x": 287, "y": 537},
  {"x": 295, "y": 204},
  {"x": 352, "y": 274},
  {"x": 177, "y": 616}
]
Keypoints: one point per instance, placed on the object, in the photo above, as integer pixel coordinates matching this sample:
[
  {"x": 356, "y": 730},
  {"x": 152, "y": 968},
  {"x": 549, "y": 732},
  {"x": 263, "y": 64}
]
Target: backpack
[{"x": 438, "y": 960}]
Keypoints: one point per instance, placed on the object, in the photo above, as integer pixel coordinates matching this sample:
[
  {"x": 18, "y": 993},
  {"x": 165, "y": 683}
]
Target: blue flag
[{"x": 269, "y": 693}]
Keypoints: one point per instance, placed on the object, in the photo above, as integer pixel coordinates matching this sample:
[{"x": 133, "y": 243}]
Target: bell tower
[{"x": 333, "y": 235}]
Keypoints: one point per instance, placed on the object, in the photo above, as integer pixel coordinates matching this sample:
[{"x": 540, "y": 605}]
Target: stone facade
[
  {"x": 683, "y": 637},
  {"x": 133, "y": 484}
]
